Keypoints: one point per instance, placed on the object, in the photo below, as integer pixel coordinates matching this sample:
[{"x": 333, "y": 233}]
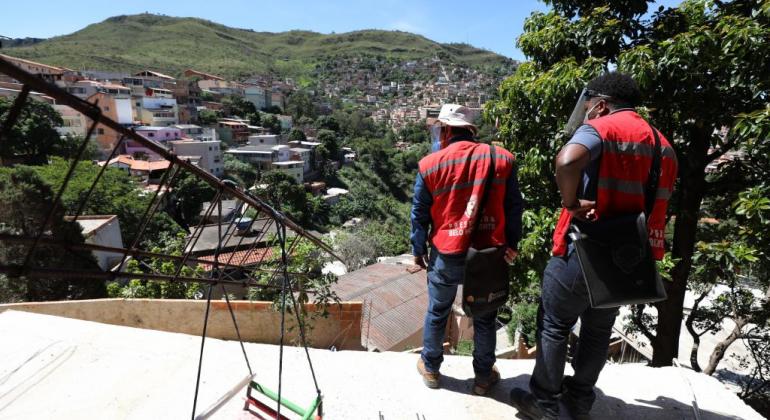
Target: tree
[
  {"x": 285, "y": 194},
  {"x": 297, "y": 135},
  {"x": 34, "y": 137},
  {"x": 190, "y": 192},
  {"x": 328, "y": 139},
  {"x": 272, "y": 123},
  {"x": 300, "y": 104},
  {"x": 327, "y": 122},
  {"x": 208, "y": 117},
  {"x": 699, "y": 53},
  {"x": 254, "y": 118},
  {"x": 238, "y": 106},
  {"x": 27, "y": 200},
  {"x": 241, "y": 172}
]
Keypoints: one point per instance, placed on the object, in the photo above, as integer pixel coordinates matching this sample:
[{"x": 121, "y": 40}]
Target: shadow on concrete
[{"x": 605, "y": 407}]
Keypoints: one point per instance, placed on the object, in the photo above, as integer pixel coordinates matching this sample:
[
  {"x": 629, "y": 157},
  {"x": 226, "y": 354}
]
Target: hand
[
  {"x": 421, "y": 261},
  {"x": 586, "y": 210},
  {"x": 510, "y": 255}
]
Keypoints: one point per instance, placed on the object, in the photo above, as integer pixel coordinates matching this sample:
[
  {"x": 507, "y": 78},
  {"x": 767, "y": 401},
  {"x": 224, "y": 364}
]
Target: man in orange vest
[
  {"x": 449, "y": 186},
  {"x": 601, "y": 172}
]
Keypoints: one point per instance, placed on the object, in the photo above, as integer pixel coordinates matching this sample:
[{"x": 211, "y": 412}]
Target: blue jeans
[
  {"x": 445, "y": 273},
  {"x": 564, "y": 299}
]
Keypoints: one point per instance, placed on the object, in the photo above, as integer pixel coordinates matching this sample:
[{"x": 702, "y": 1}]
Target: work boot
[
  {"x": 576, "y": 407},
  {"x": 429, "y": 378},
  {"x": 528, "y": 406},
  {"x": 481, "y": 385}
]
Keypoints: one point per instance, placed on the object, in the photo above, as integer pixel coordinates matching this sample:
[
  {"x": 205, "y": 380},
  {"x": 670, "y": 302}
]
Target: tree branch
[{"x": 637, "y": 318}]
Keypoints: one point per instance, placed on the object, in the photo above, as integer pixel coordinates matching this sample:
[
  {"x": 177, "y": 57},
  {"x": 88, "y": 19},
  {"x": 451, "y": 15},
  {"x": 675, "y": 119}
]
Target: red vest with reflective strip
[
  {"x": 627, "y": 149},
  {"x": 455, "y": 178}
]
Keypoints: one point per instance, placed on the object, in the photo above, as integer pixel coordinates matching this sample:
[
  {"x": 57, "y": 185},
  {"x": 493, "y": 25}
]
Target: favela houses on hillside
[{"x": 400, "y": 210}]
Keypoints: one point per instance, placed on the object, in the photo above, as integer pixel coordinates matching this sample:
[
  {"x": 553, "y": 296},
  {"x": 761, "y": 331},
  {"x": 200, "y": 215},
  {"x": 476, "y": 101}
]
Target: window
[
  {"x": 106, "y": 108},
  {"x": 99, "y": 131},
  {"x": 209, "y": 148},
  {"x": 151, "y": 134}
]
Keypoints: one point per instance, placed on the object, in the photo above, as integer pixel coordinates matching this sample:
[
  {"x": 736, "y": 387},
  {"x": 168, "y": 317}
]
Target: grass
[{"x": 171, "y": 44}]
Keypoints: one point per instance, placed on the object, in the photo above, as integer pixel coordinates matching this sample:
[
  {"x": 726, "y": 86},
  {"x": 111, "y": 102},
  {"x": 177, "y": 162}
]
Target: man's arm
[
  {"x": 572, "y": 160},
  {"x": 420, "y": 216}
]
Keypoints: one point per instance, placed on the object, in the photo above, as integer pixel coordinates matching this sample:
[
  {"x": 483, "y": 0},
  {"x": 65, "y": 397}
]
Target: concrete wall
[{"x": 258, "y": 322}]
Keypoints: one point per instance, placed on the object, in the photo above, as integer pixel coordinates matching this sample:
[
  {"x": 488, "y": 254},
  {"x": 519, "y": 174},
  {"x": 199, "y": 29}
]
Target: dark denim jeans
[
  {"x": 564, "y": 299},
  {"x": 445, "y": 273}
]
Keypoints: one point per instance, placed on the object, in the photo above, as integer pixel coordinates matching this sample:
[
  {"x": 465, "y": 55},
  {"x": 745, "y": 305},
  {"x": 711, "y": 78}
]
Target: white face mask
[{"x": 587, "y": 117}]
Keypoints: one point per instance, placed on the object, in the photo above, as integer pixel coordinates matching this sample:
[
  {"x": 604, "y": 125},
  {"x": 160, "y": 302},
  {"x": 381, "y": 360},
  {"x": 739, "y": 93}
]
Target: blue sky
[{"x": 493, "y": 25}]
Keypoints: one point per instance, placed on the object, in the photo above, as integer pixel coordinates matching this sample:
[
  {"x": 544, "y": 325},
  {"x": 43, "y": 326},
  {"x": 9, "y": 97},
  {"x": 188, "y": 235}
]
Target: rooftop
[
  {"x": 209, "y": 237},
  {"x": 64, "y": 368},
  {"x": 92, "y": 223}
]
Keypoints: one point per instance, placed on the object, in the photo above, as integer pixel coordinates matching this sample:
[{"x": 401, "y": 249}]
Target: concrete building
[
  {"x": 156, "y": 107},
  {"x": 44, "y": 71},
  {"x": 233, "y": 132},
  {"x": 73, "y": 122},
  {"x": 265, "y": 139},
  {"x": 303, "y": 154},
  {"x": 258, "y": 95},
  {"x": 115, "y": 102},
  {"x": 196, "y": 132},
  {"x": 293, "y": 168},
  {"x": 105, "y": 231},
  {"x": 209, "y": 154},
  {"x": 161, "y": 135}
]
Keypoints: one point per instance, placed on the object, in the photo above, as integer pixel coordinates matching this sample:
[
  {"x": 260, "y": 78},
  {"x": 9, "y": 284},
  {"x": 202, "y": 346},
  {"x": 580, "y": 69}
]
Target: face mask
[
  {"x": 588, "y": 114},
  {"x": 435, "y": 138}
]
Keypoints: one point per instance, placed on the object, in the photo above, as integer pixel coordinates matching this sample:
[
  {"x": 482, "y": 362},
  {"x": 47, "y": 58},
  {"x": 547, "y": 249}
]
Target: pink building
[{"x": 161, "y": 135}]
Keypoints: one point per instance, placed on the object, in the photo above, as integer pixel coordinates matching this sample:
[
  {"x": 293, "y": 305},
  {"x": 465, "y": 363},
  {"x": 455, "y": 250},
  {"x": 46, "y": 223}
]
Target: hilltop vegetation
[{"x": 171, "y": 44}]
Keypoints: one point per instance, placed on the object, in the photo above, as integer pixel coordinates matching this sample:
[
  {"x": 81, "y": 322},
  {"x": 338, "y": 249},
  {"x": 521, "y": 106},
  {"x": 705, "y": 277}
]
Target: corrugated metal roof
[{"x": 398, "y": 298}]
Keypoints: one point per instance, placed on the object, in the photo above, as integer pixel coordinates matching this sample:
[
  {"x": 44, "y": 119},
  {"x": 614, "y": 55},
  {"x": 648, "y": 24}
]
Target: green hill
[{"x": 170, "y": 44}]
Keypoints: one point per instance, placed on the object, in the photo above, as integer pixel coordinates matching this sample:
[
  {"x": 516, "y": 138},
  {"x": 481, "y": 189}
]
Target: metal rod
[
  {"x": 57, "y": 198},
  {"x": 200, "y": 357},
  {"x": 83, "y": 202}
]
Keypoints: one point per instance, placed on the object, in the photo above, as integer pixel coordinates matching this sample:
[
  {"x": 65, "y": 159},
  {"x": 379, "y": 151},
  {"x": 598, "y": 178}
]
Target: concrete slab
[{"x": 63, "y": 368}]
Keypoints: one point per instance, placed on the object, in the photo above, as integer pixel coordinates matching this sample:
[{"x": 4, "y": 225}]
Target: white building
[
  {"x": 265, "y": 139},
  {"x": 105, "y": 231},
  {"x": 157, "y": 107},
  {"x": 209, "y": 154},
  {"x": 196, "y": 132},
  {"x": 293, "y": 168}
]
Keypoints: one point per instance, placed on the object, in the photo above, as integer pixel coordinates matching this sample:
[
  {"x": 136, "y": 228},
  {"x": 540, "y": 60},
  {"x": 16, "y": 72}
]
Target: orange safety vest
[
  {"x": 455, "y": 178},
  {"x": 627, "y": 148}
]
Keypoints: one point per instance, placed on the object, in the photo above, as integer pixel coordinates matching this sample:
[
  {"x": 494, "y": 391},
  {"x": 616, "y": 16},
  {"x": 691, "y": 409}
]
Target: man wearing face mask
[
  {"x": 448, "y": 193},
  {"x": 601, "y": 173}
]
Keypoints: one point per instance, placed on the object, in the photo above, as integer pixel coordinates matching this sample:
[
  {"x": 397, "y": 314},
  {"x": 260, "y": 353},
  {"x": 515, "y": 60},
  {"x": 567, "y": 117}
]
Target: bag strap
[
  {"x": 653, "y": 180},
  {"x": 485, "y": 194}
]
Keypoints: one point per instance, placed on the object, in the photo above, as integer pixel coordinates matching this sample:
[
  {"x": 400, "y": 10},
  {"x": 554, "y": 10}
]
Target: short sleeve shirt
[{"x": 587, "y": 137}]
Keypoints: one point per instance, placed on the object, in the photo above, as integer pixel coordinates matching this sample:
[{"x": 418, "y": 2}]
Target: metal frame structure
[{"x": 215, "y": 277}]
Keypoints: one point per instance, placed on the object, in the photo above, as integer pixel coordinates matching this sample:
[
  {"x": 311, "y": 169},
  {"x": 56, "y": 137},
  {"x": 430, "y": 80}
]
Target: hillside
[{"x": 171, "y": 44}]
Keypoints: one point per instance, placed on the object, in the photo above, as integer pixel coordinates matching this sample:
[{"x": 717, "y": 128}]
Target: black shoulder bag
[
  {"x": 485, "y": 283},
  {"x": 615, "y": 254}
]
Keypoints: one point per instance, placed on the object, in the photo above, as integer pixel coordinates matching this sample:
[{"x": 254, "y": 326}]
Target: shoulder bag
[
  {"x": 615, "y": 254},
  {"x": 485, "y": 282}
]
